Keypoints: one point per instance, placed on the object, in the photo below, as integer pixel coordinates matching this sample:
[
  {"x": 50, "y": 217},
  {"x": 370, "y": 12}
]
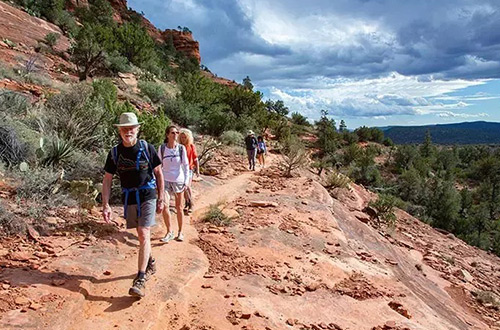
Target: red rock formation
[
  {"x": 183, "y": 42},
  {"x": 220, "y": 80}
]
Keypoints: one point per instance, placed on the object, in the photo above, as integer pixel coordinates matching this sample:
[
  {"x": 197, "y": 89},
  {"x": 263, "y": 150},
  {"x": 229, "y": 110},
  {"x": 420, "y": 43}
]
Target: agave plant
[{"x": 57, "y": 151}]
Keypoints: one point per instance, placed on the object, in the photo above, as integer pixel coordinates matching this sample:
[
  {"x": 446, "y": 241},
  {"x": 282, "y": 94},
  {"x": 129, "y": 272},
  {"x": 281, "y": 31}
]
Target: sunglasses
[{"x": 174, "y": 133}]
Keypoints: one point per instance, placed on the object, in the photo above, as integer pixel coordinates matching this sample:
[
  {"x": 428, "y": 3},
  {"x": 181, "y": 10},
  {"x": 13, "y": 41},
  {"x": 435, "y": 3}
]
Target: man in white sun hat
[
  {"x": 251, "y": 145},
  {"x": 139, "y": 168}
]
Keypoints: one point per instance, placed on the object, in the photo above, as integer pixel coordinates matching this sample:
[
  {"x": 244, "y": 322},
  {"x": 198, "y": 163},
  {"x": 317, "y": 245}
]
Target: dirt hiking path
[
  {"x": 293, "y": 257},
  {"x": 94, "y": 299}
]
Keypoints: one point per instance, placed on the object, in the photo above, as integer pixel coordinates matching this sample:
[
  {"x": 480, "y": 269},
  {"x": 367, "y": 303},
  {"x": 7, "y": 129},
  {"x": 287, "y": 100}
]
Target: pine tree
[
  {"x": 342, "y": 126},
  {"x": 247, "y": 83}
]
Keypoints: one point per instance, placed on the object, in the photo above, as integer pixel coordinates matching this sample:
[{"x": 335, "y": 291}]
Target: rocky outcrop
[
  {"x": 183, "y": 41},
  {"x": 25, "y": 30}
]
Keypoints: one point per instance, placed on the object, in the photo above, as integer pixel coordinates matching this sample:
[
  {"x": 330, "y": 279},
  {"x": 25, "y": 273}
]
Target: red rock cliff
[{"x": 183, "y": 41}]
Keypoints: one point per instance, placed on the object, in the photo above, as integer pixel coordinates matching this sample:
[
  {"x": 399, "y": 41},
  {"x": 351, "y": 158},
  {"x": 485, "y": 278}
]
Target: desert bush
[
  {"x": 12, "y": 149},
  {"x": 294, "y": 155},
  {"x": 385, "y": 205},
  {"x": 486, "y": 297},
  {"x": 182, "y": 113},
  {"x": 151, "y": 89},
  {"x": 85, "y": 165},
  {"x": 207, "y": 150},
  {"x": 216, "y": 217},
  {"x": 38, "y": 184},
  {"x": 215, "y": 120},
  {"x": 117, "y": 63},
  {"x": 337, "y": 180},
  {"x": 153, "y": 127},
  {"x": 7, "y": 72},
  {"x": 232, "y": 138},
  {"x": 13, "y": 103},
  {"x": 78, "y": 118},
  {"x": 300, "y": 119},
  {"x": 51, "y": 39},
  {"x": 38, "y": 79}
]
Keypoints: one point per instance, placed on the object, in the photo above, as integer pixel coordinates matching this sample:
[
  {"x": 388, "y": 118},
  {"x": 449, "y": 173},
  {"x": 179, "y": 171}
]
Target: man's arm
[
  {"x": 158, "y": 173},
  {"x": 106, "y": 190}
]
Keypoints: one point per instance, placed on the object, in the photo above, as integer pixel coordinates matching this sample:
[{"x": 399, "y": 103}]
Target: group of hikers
[
  {"x": 256, "y": 148},
  {"x": 149, "y": 177}
]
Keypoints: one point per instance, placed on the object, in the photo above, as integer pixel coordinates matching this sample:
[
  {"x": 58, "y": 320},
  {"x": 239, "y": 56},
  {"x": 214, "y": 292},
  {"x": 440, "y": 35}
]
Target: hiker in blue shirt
[
  {"x": 261, "y": 151},
  {"x": 139, "y": 168}
]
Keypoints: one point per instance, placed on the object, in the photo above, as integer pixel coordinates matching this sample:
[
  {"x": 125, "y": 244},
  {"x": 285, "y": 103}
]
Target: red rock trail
[{"x": 293, "y": 257}]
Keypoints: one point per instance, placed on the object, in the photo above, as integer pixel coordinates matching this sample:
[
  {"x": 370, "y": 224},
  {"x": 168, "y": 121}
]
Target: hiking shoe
[
  {"x": 179, "y": 237},
  {"x": 168, "y": 237},
  {"x": 138, "y": 288},
  {"x": 151, "y": 268}
]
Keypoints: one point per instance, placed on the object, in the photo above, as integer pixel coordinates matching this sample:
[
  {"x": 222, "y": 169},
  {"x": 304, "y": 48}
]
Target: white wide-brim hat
[
  {"x": 128, "y": 119},
  {"x": 250, "y": 132}
]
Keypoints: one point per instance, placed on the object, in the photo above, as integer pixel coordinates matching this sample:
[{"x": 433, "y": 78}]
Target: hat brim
[{"x": 125, "y": 125}]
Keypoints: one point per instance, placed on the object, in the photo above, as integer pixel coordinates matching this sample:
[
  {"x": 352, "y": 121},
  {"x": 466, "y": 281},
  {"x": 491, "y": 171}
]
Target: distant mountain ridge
[{"x": 478, "y": 132}]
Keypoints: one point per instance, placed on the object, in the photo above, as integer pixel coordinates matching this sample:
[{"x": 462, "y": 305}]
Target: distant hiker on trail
[
  {"x": 186, "y": 138},
  {"x": 261, "y": 151},
  {"x": 175, "y": 166},
  {"x": 251, "y": 144},
  {"x": 138, "y": 167}
]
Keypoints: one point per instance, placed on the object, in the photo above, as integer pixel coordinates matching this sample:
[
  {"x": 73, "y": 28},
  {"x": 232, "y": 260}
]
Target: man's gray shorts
[{"x": 147, "y": 218}]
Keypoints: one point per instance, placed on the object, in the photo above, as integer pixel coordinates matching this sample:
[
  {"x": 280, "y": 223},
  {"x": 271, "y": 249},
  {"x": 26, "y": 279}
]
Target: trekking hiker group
[
  {"x": 149, "y": 177},
  {"x": 256, "y": 149}
]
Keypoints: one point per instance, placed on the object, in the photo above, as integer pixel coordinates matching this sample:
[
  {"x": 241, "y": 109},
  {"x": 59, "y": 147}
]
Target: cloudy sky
[{"x": 369, "y": 62}]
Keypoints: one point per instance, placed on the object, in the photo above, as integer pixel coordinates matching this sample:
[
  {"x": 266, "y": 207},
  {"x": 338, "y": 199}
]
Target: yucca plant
[{"x": 57, "y": 152}]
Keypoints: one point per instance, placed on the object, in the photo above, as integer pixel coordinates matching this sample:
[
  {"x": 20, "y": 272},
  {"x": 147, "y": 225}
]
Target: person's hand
[
  {"x": 106, "y": 213},
  {"x": 159, "y": 205}
]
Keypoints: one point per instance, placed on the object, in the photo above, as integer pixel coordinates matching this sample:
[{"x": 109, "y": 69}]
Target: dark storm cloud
[
  {"x": 293, "y": 46},
  {"x": 221, "y": 27}
]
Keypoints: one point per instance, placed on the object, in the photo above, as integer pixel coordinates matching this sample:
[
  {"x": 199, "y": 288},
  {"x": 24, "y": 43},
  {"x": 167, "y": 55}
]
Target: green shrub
[
  {"x": 9, "y": 43},
  {"x": 153, "y": 127},
  {"x": 117, "y": 63},
  {"x": 51, "y": 39},
  {"x": 215, "y": 120},
  {"x": 12, "y": 103},
  {"x": 12, "y": 150},
  {"x": 134, "y": 42},
  {"x": 216, "y": 217},
  {"x": 232, "y": 138},
  {"x": 182, "y": 113},
  {"x": 294, "y": 155},
  {"x": 299, "y": 119},
  {"x": 67, "y": 23},
  {"x": 337, "y": 180},
  {"x": 151, "y": 89},
  {"x": 486, "y": 297},
  {"x": 7, "y": 72},
  {"x": 78, "y": 117},
  {"x": 85, "y": 165},
  {"x": 38, "y": 79},
  {"x": 38, "y": 184},
  {"x": 385, "y": 205}
]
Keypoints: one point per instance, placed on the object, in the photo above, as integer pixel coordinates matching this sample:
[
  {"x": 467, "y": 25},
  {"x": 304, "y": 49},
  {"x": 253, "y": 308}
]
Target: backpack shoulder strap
[
  {"x": 144, "y": 145},
  {"x": 162, "y": 151},
  {"x": 114, "y": 154},
  {"x": 181, "y": 149}
]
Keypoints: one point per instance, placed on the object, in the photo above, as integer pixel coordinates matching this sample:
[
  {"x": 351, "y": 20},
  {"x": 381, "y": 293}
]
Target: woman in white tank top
[{"x": 175, "y": 167}]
